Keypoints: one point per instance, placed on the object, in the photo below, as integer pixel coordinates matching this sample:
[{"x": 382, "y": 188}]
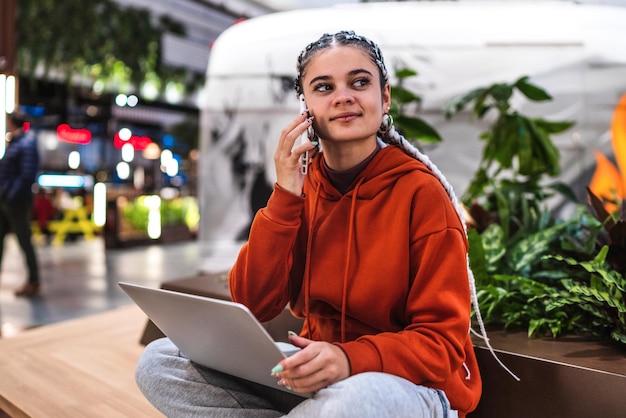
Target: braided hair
[{"x": 389, "y": 135}]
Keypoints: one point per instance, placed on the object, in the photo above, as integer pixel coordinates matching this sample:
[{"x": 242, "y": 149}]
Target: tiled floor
[{"x": 80, "y": 278}]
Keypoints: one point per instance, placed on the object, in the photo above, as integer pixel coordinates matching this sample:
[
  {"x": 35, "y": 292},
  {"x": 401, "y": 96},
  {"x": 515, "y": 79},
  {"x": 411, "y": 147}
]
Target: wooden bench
[
  {"x": 78, "y": 368},
  {"x": 565, "y": 378}
]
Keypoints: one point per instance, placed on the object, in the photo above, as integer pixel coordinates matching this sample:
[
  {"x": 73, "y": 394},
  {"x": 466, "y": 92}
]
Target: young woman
[{"x": 368, "y": 247}]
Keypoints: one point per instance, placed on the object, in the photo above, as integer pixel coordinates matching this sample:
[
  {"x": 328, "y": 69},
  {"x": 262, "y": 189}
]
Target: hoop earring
[{"x": 387, "y": 123}]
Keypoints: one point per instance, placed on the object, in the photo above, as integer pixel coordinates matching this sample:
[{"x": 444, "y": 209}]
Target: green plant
[
  {"x": 516, "y": 145},
  {"x": 550, "y": 276},
  {"x": 404, "y": 106},
  {"x": 597, "y": 299},
  {"x": 183, "y": 210},
  {"x": 98, "y": 40},
  {"x": 516, "y": 277},
  {"x": 137, "y": 213}
]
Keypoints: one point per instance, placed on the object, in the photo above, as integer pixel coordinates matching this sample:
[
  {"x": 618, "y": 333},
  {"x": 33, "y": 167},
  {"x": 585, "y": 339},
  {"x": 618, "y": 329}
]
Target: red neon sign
[
  {"x": 66, "y": 133},
  {"x": 139, "y": 142}
]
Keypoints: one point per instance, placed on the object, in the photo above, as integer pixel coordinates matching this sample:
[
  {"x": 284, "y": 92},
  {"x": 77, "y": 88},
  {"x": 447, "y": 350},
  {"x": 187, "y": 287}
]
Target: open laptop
[{"x": 218, "y": 334}]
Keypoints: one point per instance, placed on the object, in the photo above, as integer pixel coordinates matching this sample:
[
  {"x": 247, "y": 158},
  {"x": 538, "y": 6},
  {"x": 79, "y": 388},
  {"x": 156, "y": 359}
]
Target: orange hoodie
[{"x": 380, "y": 271}]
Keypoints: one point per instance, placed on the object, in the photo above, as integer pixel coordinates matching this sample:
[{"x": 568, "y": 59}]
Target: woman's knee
[{"x": 153, "y": 361}]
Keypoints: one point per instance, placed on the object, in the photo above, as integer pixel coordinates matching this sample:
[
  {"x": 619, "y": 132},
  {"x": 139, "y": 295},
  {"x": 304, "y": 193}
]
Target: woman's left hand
[{"x": 317, "y": 365}]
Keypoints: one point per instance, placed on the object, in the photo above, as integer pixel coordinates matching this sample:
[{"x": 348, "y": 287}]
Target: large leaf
[
  {"x": 405, "y": 73},
  {"x": 493, "y": 246},
  {"x": 533, "y": 247},
  {"x": 418, "y": 129},
  {"x": 553, "y": 127},
  {"x": 404, "y": 96},
  {"x": 501, "y": 93},
  {"x": 532, "y": 91}
]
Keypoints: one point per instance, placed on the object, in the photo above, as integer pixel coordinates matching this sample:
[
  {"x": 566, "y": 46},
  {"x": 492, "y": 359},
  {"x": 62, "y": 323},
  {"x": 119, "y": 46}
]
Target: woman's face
[{"x": 341, "y": 86}]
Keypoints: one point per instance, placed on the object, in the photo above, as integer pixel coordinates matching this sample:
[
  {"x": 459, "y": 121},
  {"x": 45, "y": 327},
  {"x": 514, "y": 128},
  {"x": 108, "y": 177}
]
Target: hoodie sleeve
[{"x": 260, "y": 276}]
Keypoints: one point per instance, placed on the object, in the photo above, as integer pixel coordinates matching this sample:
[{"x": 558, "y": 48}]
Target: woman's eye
[
  {"x": 361, "y": 82},
  {"x": 322, "y": 87}
]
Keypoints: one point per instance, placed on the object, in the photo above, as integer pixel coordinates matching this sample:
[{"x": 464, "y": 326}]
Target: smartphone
[{"x": 304, "y": 158}]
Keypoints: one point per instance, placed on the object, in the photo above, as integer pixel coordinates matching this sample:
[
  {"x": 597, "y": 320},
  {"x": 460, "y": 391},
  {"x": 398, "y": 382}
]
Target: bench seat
[{"x": 77, "y": 368}]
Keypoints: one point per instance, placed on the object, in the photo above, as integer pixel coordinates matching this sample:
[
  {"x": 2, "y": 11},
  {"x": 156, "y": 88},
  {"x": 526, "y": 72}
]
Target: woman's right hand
[{"x": 287, "y": 158}]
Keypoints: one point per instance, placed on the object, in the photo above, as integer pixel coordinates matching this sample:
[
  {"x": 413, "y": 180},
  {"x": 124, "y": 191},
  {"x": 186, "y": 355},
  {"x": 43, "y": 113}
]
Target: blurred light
[
  {"x": 149, "y": 90},
  {"x": 128, "y": 152},
  {"x": 50, "y": 140},
  {"x": 171, "y": 169},
  {"x": 125, "y": 134},
  {"x": 36, "y": 111},
  {"x": 92, "y": 110},
  {"x": 66, "y": 133},
  {"x": 139, "y": 178},
  {"x": 3, "y": 126},
  {"x": 102, "y": 176},
  {"x": 10, "y": 94},
  {"x": 60, "y": 180},
  {"x": 169, "y": 193},
  {"x": 98, "y": 87},
  {"x": 123, "y": 170},
  {"x": 168, "y": 141},
  {"x": 99, "y": 204},
  {"x": 121, "y": 100},
  {"x": 194, "y": 154},
  {"x": 154, "y": 216},
  {"x": 132, "y": 100},
  {"x": 166, "y": 156},
  {"x": 173, "y": 92},
  {"x": 152, "y": 151},
  {"x": 139, "y": 142},
  {"x": 73, "y": 160}
]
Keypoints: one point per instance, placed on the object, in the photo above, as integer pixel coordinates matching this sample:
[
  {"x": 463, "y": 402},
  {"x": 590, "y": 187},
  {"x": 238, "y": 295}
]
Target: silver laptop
[{"x": 214, "y": 333}]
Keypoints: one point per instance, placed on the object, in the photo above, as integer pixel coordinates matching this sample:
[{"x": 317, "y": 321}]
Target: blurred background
[
  {"x": 156, "y": 119},
  {"x": 114, "y": 91}
]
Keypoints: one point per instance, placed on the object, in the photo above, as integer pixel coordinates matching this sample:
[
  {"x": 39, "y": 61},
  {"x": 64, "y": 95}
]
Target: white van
[{"x": 576, "y": 52}]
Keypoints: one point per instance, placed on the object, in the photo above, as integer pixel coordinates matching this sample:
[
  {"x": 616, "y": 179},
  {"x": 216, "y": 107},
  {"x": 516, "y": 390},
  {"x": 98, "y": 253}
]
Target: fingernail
[
  {"x": 277, "y": 369},
  {"x": 315, "y": 143},
  {"x": 282, "y": 383},
  {"x": 291, "y": 333}
]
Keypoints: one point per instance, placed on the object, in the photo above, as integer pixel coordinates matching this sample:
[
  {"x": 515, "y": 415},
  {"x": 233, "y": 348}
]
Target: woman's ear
[{"x": 386, "y": 98}]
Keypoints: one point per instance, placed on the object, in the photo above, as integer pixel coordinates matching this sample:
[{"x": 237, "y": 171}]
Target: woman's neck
[{"x": 342, "y": 156}]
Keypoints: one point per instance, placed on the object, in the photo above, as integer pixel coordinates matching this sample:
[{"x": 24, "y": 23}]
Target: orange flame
[{"x": 608, "y": 181}]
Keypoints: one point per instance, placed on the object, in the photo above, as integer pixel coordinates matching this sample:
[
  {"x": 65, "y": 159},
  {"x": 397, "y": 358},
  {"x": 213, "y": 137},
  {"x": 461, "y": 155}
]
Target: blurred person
[
  {"x": 369, "y": 247},
  {"x": 18, "y": 172}
]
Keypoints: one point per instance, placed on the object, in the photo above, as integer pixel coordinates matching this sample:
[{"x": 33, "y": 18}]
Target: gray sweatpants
[{"x": 179, "y": 388}]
